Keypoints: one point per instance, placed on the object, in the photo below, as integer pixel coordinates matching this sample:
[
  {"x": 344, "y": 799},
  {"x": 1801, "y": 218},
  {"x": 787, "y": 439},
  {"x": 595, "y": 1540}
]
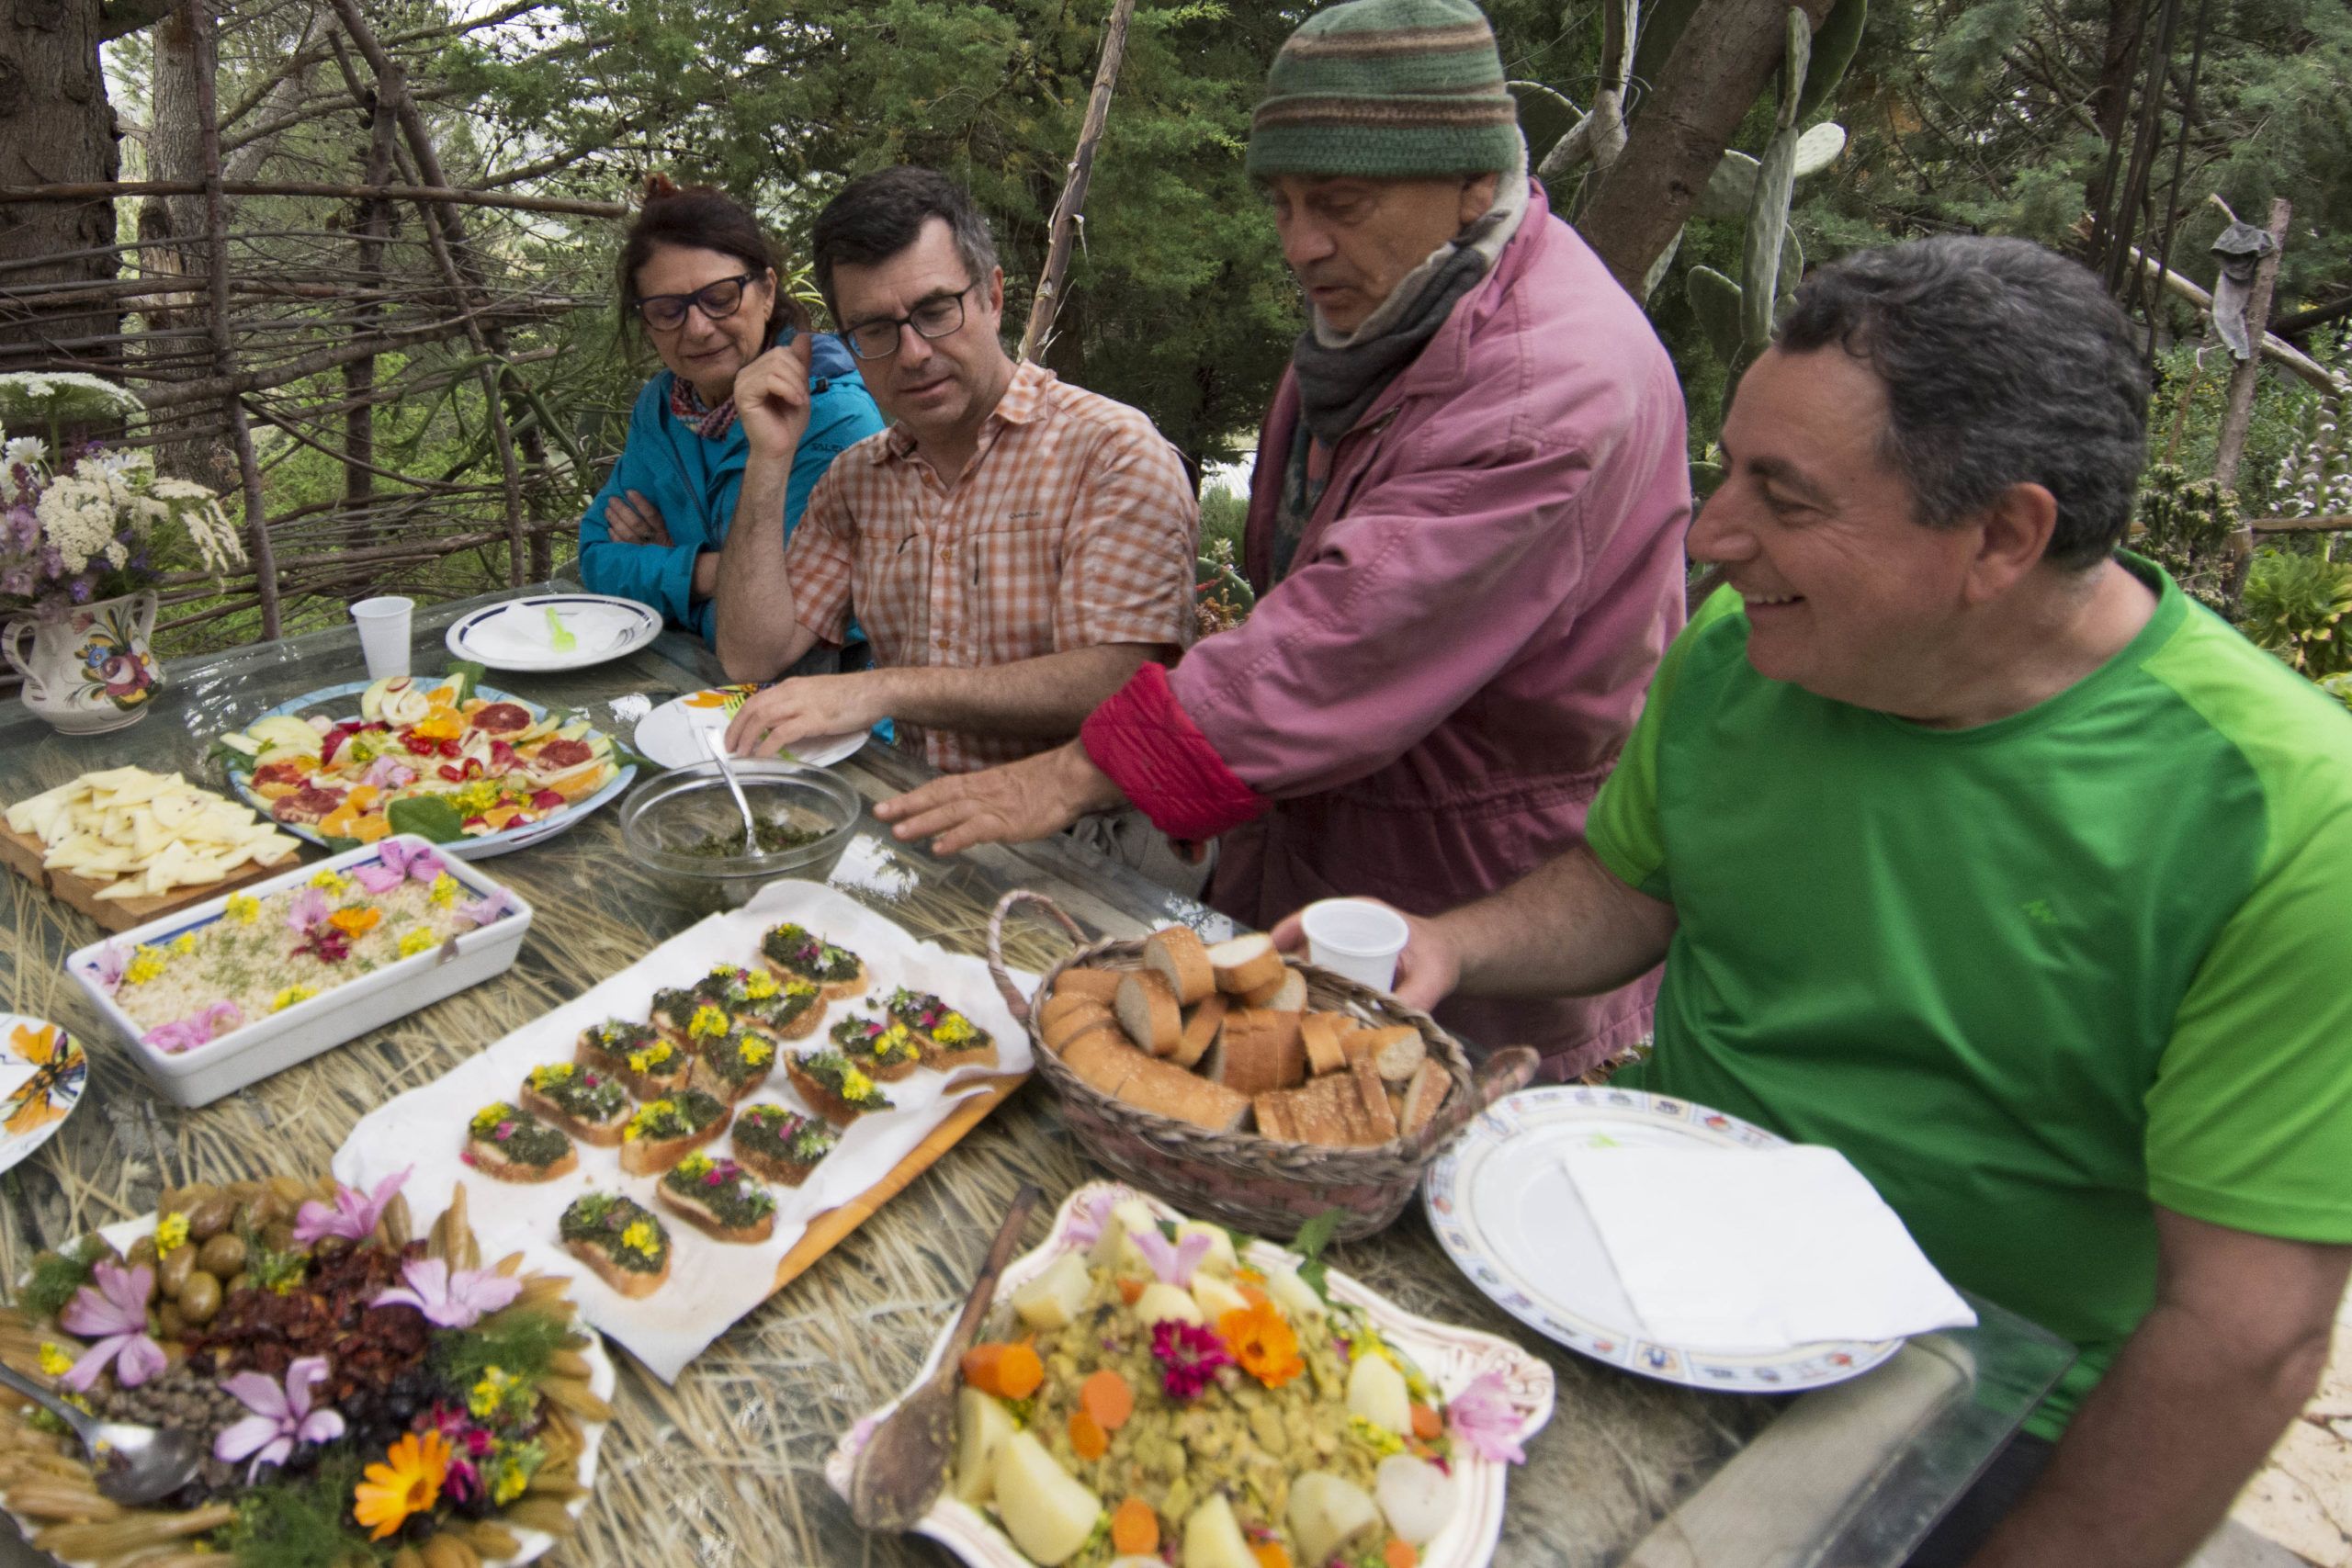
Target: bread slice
[
  {"x": 629, "y": 1282},
  {"x": 1373, "y": 1122},
  {"x": 732, "y": 1208},
  {"x": 595, "y": 1228},
  {"x": 1424, "y": 1095},
  {"x": 1170, "y": 1090},
  {"x": 1367, "y": 1041},
  {"x": 1321, "y": 1032},
  {"x": 1285, "y": 993},
  {"x": 1065, "y": 1003},
  {"x": 1103, "y": 1059},
  {"x": 1101, "y": 985},
  {"x": 1178, "y": 953},
  {"x": 1272, "y": 1116},
  {"x": 1318, "y": 1112},
  {"x": 822, "y": 1079},
  {"x": 492, "y": 1161},
  {"x": 586, "y": 1103},
  {"x": 1075, "y": 1020},
  {"x": 665, "y": 1131},
  {"x": 781, "y": 1146},
  {"x": 1398, "y": 1055},
  {"x": 1258, "y": 1051},
  {"x": 1201, "y": 1026},
  {"x": 1149, "y": 1012},
  {"x": 1246, "y": 963}
]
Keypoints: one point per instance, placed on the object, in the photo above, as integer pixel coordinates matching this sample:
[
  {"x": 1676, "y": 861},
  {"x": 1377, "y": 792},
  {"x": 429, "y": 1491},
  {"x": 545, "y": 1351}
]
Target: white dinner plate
[
  {"x": 42, "y": 1074},
  {"x": 670, "y": 734},
  {"x": 515, "y": 635},
  {"x": 1505, "y": 1211}
]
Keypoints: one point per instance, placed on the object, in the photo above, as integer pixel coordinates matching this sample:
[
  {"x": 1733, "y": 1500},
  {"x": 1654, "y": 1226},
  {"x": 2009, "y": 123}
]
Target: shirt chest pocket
[
  {"x": 1009, "y": 578},
  {"x": 890, "y": 584}
]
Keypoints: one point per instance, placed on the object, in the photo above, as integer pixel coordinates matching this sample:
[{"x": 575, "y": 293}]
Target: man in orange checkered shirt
[{"x": 1015, "y": 548}]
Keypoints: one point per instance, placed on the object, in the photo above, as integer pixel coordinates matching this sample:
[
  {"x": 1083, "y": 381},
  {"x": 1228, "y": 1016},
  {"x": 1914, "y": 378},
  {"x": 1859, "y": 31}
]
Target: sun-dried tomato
[{"x": 328, "y": 1315}]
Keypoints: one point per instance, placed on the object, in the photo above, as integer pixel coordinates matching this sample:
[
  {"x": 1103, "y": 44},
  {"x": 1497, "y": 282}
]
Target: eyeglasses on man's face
[
  {"x": 667, "y": 312},
  {"x": 938, "y": 316}
]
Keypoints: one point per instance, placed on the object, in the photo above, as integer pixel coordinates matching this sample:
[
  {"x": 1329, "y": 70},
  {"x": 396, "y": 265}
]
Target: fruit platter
[
  {"x": 454, "y": 761},
  {"x": 1150, "y": 1389},
  {"x": 362, "y": 1392}
]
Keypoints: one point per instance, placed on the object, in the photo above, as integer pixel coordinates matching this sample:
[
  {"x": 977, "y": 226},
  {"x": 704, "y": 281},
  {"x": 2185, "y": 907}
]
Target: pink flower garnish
[
  {"x": 376, "y": 879},
  {"x": 114, "y": 1315},
  {"x": 1173, "y": 1261},
  {"x": 352, "y": 1217},
  {"x": 111, "y": 965},
  {"x": 1483, "y": 1418},
  {"x": 196, "y": 1028},
  {"x": 457, "y": 1300},
  {"x": 422, "y": 864},
  {"x": 482, "y": 912},
  {"x": 1188, "y": 1356},
  {"x": 308, "y": 908},
  {"x": 281, "y": 1415},
  {"x": 1087, "y": 1220}
]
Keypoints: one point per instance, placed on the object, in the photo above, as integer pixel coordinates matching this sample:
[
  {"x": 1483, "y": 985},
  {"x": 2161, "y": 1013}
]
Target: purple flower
[
  {"x": 111, "y": 965},
  {"x": 482, "y": 912},
  {"x": 1087, "y": 1220},
  {"x": 80, "y": 589},
  {"x": 1482, "y": 1415},
  {"x": 1173, "y": 1261},
  {"x": 352, "y": 1217},
  {"x": 114, "y": 1315},
  {"x": 281, "y": 1416},
  {"x": 451, "y": 1300},
  {"x": 196, "y": 1028},
  {"x": 18, "y": 582},
  {"x": 377, "y": 878},
  {"x": 309, "y": 908},
  {"x": 396, "y": 861}
]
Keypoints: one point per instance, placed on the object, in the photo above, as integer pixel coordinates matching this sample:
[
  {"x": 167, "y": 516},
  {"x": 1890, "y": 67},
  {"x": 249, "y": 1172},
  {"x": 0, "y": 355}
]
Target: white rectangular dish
[{"x": 272, "y": 1044}]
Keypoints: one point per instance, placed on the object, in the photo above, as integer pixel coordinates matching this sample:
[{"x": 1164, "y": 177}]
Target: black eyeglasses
[
  {"x": 717, "y": 301},
  {"x": 936, "y": 317}
]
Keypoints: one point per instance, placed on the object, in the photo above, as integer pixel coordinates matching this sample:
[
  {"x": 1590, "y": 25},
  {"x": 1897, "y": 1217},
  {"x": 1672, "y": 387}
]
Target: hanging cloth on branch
[{"x": 2240, "y": 250}]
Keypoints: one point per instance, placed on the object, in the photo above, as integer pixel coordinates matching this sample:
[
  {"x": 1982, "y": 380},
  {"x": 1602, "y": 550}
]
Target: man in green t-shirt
[{"x": 1977, "y": 851}]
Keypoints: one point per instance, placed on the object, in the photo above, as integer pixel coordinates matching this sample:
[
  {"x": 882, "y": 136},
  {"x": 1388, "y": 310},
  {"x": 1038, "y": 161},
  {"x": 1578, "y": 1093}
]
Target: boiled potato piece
[
  {"x": 1326, "y": 1512},
  {"x": 1047, "y": 1512},
  {"x": 1116, "y": 1250},
  {"x": 1295, "y": 1296},
  {"x": 1216, "y": 1297},
  {"x": 1055, "y": 1297},
  {"x": 1377, "y": 1391},
  {"x": 1213, "y": 1538},
  {"x": 981, "y": 1425},
  {"x": 1161, "y": 1300},
  {"x": 1219, "y": 1258},
  {"x": 1415, "y": 1495}
]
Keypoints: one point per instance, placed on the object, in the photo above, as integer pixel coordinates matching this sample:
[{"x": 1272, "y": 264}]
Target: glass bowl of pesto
[{"x": 682, "y": 828}]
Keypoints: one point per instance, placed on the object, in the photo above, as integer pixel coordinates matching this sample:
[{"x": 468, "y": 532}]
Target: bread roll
[
  {"x": 1246, "y": 963},
  {"x": 1423, "y": 1096},
  {"x": 1285, "y": 992},
  {"x": 1102, "y": 985},
  {"x": 1259, "y": 1050},
  {"x": 1201, "y": 1029},
  {"x": 1149, "y": 1012},
  {"x": 1321, "y": 1033},
  {"x": 1170, "y": 1090},
  {"x": 1179, "y": 953},
  {"x": 1074, "y": 1021}
]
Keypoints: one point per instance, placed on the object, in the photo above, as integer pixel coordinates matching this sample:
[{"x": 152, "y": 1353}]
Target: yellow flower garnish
[
  {"x": 708, "y": 1024},
  {"x": 552, "y": 1073},
  {"x": 355, "y": 921},
  {"x": 289, "y": 996},
  {"x": 511, "y": 1480},
  {"x": 444, "y": 891},
  {"x": 185, "y": 944},
  {"x": 170, "y": 1232},
  {"x": 487, "y": 1119},
  {"x": 242, "y": 908},
  {"x": 654, "y": 1111},
  {"x": 953, "y": 1029},
  {"x": 640, "y": 1238},
  {"x": 796, "y": 989},
  {"x": 895, "y": 1042},
  {"x": 651, "y": 1056},
  {"x": 437, "y": 727},
  {"x": 856, "y": 1085},
  {"x": 695, "y": 1165},
  {"x": 1377, "y": 1438},
  {"x": 54, "y": 1362},
  {"x": 486, "y": 1396},
  {"x": 146, "y": 964},
  {"x": 756, "y": 1052},
  {"x": 331, "y": 880},
  {"x": 416, "y": 940},
  {"x": 761, "y": 986}
]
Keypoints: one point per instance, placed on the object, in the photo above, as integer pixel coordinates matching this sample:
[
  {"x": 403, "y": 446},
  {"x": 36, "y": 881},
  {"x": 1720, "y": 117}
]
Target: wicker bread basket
[{"x": 1262, "y": 1185}]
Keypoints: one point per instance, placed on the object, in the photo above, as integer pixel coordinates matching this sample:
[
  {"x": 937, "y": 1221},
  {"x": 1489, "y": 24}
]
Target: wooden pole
[
  {"x": 1066, "y": 210},
  {"x": 2237, "y": 416},
  {"x": 224, "y": 353}
]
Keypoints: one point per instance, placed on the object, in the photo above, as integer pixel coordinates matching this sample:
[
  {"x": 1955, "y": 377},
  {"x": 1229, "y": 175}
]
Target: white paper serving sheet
[{"x": 711, "y": 1283}]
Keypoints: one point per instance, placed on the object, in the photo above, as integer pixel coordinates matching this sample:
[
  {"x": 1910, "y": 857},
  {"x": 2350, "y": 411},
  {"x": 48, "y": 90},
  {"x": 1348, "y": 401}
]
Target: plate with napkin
[
  {"x": 1675, "y": 1241},
  {"x": 554, "y": 631}
]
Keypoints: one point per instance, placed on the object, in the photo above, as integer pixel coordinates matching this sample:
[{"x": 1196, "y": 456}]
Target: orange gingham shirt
[{"x": 1073, "y": 525}]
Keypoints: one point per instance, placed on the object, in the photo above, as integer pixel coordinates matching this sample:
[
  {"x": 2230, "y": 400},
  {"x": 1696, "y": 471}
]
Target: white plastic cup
[
  {"x": 1357, "y": 938},
  {"x": 383, "y": 634}
]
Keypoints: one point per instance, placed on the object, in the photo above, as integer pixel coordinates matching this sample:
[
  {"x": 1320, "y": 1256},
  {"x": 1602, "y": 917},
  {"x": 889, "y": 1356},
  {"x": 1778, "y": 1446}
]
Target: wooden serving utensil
[{"x": 903, "y": 1467}]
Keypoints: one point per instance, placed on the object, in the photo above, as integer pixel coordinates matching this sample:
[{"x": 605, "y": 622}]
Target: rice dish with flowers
[{"x": 261, "y": 955}]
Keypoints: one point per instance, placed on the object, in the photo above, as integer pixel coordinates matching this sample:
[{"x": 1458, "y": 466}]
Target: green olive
[
  {"x": 199, "y": 1298},
  {"x": 268, "y": 1207},
  {"x": 169, "y": 1322},
  {"x": 288, "y": 1190},
  {"x": 223, "y": 1255},
  {"x": 143, "y": 1251},
  {"x": 277, "y": 1236},
  {"x": 178, "y": 1265},
  {"x": 242, "y": 1282},
  {"x": 212, "y": 1217}
]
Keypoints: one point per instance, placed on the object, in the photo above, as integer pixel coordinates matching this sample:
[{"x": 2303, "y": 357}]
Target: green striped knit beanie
[{"x": 1386, "y": 89}]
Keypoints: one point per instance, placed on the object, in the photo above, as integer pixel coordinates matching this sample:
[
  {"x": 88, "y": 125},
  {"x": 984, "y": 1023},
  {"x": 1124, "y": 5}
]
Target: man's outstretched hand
[
  {"x": 1426, "y": 971},
  {"x": 1009, "y": 804}
]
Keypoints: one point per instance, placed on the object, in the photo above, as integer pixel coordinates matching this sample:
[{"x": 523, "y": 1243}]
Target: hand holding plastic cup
[
  {"x": 1355, "y": 937},
  {"x": 383, "y": 634}
]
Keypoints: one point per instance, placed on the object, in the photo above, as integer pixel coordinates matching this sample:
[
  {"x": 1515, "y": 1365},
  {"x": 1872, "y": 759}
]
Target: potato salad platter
[
  {"x": 452, "y": 762},
  {"x": 668, "y": 1136},
  {"x": 365, "y": 1386},
  {"x": 124, "y": 845},
  {"x": 1152, "y": 1389}
]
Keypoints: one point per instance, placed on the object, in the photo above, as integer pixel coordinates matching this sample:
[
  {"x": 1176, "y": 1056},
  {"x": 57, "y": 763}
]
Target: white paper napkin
[
  {"x": 1757, "y": 1250},
  {"x": 711, "y": 1283}
]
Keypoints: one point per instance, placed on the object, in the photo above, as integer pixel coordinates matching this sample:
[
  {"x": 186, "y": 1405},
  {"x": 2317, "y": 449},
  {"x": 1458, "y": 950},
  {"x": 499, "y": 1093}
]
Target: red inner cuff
[{"x": 1149, "y": 745}]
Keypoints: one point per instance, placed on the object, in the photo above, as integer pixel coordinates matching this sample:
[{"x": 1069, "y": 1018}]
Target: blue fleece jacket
[{"x": 693, "y": 481}]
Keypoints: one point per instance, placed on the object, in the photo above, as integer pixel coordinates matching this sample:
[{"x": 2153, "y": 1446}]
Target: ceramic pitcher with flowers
[{"x": 90, "y": 670}]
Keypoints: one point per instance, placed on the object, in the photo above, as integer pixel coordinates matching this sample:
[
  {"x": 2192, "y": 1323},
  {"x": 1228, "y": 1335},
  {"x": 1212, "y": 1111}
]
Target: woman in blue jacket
[{"x": 699, "y": 278}]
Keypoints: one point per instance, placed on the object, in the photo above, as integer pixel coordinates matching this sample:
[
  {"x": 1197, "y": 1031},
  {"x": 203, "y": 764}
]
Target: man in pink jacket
[{"x": 1465, "y": 526}]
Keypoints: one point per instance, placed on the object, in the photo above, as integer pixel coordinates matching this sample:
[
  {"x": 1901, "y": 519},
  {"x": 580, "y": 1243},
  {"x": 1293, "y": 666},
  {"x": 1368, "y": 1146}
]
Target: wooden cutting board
[{"x": 23, "y": 854}]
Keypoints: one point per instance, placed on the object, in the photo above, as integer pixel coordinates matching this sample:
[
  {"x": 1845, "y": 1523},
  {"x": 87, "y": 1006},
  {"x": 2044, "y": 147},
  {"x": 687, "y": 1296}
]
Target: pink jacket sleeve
[{"x": 1431, "y": 584}]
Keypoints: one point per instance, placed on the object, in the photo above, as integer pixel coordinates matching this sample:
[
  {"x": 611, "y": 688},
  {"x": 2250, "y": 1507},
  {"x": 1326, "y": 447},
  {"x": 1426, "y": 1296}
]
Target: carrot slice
[
  {"x": 979, "y": 1367},
  {"x": 1270, "y": 1554},
  {"x": 1399, "y": 1553},
  {"x": 1020, "y": 1372},
  {"x": 1427, "y": 1423},
  {"x": 1086, "y": 1435},
  {"x": 1135, "y": 1528},
  {"x": 1106, "y": 1396},
  {"x": 1131, "y": 1290}
]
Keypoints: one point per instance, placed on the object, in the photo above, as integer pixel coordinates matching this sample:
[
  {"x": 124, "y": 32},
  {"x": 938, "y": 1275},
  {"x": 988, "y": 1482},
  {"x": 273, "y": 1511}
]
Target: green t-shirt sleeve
[
  {"x": 2250, "y": 1116},
  {"x": 1624, "y": 826}
]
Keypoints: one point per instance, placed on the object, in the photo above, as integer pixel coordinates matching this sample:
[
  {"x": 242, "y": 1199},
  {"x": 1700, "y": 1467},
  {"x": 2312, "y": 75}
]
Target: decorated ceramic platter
[
  {"x": 1505, "y": 1211},
  {"x": 1134, "y": 1332},
  {"x": 358, "y": 1382},
  {"x": 554, "y": 631},
  {"x": 671, "y": 734},
  {"x": 473, "y": 769},
  {"x": 42, "y": 1074}
]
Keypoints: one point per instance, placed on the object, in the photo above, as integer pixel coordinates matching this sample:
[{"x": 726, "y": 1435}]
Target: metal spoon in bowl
[
  {"x": 133, "y": 1464},
  {"x": 715, "y": 743}
]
